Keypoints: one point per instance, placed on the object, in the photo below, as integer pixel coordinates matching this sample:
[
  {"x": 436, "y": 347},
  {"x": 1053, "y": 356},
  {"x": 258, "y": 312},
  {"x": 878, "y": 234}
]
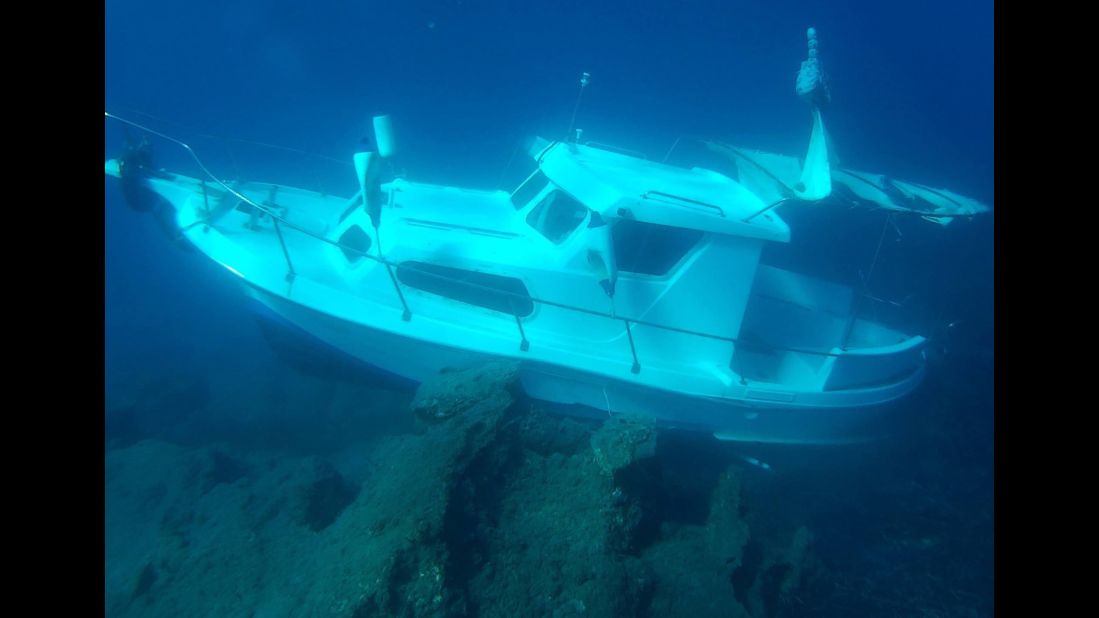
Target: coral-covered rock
[
  {"x": 324, "y": 494},
  {"x": 216, "y": 467},
  {"x": 493, "y": 385},
  {"x": 726, "y": 531},
  {"x": 494, "y": 509},
  {"x": 622, "y": 440}
]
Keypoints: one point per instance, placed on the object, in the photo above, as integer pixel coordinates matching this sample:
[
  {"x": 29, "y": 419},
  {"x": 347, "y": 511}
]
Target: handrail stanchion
[
  {"x": 269, "y": 207},
  {"x": 291, "y": 275},
  {"x": 859, "y": 300},
  {"x": 524, "y": 345},
  {"x": 636, "y": 368},
  {"x": 407, "y": 314}
]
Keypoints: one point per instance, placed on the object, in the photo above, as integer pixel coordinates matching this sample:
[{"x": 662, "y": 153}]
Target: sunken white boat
[{"x": 621, "y": 285}]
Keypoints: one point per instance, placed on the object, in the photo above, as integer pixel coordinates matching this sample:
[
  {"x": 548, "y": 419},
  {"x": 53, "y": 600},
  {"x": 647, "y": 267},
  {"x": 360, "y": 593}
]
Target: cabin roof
[{"x": 622, "y": 186}]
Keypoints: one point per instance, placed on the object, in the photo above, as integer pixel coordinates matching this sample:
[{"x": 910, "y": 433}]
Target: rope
[
  {"x": 877, "y": 252},
  {"x": 199, "y": 133},
  {"x": 874, "y": 261}
]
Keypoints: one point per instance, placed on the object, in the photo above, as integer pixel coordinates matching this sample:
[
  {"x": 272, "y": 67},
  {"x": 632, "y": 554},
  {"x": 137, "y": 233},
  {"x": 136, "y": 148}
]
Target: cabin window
[
  {"x": 557, "y": 215},
  {"x": 495, "y": 292},
  {"x": 648, "y": 248},
  {"x": 529, "y": 189},
  {"x": 353, "y": 241}
]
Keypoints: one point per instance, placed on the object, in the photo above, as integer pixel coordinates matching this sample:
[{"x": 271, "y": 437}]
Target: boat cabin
[{"x": 590, "y": 229}]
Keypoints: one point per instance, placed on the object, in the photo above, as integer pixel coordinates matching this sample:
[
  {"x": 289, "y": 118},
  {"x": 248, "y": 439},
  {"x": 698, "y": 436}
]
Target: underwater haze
[{"x": 248, "y": 473}]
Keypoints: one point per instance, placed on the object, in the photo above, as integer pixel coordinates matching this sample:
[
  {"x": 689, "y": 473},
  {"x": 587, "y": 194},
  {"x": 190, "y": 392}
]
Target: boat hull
[{"x": 407, "y": 360}]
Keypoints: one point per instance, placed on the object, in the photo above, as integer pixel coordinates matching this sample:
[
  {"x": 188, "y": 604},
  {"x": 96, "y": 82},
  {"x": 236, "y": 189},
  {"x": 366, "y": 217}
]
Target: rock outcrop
[{"x": 494, "y": 508}]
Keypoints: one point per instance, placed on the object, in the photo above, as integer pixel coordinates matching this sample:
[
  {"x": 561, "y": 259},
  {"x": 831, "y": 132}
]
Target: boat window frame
[
  {"x": 536, "y": 176},
  {"x": 699, "y": 244},
  {"x": 518, "y": 307},
  {"x": 535, "y": 202}
]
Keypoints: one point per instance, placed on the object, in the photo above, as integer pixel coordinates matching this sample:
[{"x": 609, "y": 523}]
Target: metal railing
[{"x": 279, "y": 222}]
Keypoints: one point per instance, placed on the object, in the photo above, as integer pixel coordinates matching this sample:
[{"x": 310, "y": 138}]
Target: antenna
[{"x": 585, "y": 79}]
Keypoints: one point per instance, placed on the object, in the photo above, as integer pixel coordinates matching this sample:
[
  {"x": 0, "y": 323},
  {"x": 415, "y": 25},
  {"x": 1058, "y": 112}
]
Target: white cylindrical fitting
[{"x": 384, "y": 136}]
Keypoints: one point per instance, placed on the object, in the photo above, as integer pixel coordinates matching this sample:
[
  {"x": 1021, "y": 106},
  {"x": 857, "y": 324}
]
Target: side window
[
  {"x": 356, "y": 239},
  {"x": 557, "y": 215},
  {"x": 495, "y": 292},
  {"x": 650, "y": 249},
  {"x": 530, "y": 188}
]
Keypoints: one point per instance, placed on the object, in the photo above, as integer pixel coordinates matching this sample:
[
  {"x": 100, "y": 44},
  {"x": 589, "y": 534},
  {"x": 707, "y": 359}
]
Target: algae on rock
[
  {"x": 623, "y": 440},
  {"x": 495, "y": 509}
]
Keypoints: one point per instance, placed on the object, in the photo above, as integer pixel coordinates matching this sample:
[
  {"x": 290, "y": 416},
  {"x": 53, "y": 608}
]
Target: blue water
[{"x": 466, "y": 82}]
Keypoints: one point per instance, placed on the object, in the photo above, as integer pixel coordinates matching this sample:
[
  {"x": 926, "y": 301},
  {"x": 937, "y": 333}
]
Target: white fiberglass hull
[
  {"x": 587, "y": 394},
  {"x": 586, "y": 359}
]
